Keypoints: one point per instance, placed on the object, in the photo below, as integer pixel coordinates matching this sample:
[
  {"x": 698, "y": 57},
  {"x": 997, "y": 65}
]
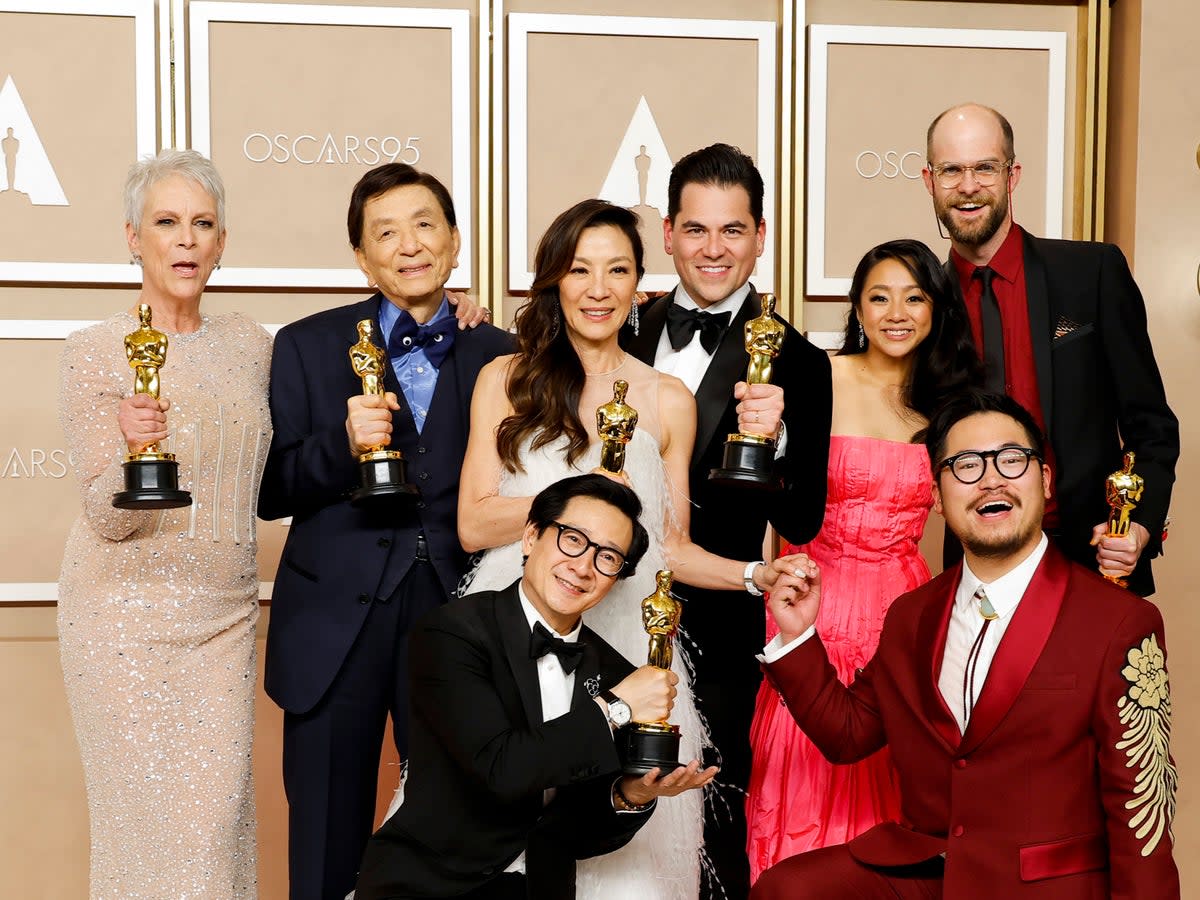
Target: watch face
[{"x": 619, "y": 713}]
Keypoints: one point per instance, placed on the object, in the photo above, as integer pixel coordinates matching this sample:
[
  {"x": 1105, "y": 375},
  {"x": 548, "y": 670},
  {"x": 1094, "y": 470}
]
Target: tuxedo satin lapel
[
  {"x": 588, "y": 673},
  {"x": 931, "y": 647},
  {"x": 1037, "y": 296},
  {"x": 1020, "y": 648},
  {"x": 728, "y": 366},
  {"x": 514, "y": 632},
  {"x": 644, "y": 345}
]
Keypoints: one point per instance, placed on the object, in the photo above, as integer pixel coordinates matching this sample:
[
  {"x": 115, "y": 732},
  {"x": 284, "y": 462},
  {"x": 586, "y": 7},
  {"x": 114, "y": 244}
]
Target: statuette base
[
  {"x": 382, "y": 477},
  {"x": 645, "y": 746},
  {"x": 749, "y": 461},
  {"x": 151, "y": 482}
]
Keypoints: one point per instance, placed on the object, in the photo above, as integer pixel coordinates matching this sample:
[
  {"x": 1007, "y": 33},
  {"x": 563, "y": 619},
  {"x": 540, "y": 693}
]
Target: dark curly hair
[
  {"x": 546, "y": 379},
  {"x": 946, "y": 362}
]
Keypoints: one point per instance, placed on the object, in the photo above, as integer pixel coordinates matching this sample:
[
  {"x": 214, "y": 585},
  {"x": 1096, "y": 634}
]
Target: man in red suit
[{"x": 1024, "y": 699}]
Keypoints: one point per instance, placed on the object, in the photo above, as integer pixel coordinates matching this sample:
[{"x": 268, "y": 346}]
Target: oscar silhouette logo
[{"x": 151, "y": 476}]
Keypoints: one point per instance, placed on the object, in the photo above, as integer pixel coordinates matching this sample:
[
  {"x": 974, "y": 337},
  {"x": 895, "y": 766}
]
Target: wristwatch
[
  {"x": 748, "y": 578},
  {"x": 619, "y": 713}
]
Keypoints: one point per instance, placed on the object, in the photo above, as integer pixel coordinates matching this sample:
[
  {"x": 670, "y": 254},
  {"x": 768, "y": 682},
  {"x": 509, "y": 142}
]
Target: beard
[
  {"x": 976, "y": 233},
  {"x": 1001, "y": 545}
]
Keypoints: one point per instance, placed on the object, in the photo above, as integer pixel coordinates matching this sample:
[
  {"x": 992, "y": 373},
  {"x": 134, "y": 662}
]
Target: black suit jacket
[
  {"x": 481, "y": 756},
  {"x": 339, "y": 558},
  {"x": 1100, "y": 390}
]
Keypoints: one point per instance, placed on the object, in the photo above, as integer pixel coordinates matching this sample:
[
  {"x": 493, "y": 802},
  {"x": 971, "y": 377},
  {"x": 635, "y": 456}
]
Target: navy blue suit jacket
[{"x": 339, "y": 558}]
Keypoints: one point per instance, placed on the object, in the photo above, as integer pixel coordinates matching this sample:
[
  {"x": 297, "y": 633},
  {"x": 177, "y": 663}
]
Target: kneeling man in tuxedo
[
  {"x": 513, "y": 772},
  {"x": 1024, "y": 699}
]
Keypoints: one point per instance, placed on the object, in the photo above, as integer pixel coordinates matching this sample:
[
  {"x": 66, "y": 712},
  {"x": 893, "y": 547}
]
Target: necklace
[{"x": 613, "y": 371}]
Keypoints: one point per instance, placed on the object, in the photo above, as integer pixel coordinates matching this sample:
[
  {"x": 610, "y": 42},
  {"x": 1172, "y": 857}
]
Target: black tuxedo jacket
[
  {"x": 731, "y": 521},
  {"x": 481, "y": 757},
  {"x": 339, "y": 558},
  {"x": 1100, "y": 390}
]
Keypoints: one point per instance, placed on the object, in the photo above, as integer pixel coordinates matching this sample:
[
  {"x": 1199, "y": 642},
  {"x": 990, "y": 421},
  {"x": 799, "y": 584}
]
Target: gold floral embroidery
[{"x": 1145, "y": 711}]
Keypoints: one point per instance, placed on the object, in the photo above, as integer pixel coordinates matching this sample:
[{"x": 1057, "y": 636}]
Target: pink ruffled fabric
[{"x": 879, "y": 498}]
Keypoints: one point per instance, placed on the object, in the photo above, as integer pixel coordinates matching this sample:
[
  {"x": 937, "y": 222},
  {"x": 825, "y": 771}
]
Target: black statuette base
[
  {"x": 641, "y": 749},
  {"x": 749, "y": 464},
  {"x": 382, "y": 478},
  {"x": 151, "y": 484}
]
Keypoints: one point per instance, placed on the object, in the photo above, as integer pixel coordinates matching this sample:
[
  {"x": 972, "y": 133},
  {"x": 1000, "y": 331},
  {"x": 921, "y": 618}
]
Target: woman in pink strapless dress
[{"x": 907, "y": 345}]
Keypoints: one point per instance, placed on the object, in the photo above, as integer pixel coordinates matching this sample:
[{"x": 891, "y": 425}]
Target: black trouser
[{"x": 331, "y": 753}]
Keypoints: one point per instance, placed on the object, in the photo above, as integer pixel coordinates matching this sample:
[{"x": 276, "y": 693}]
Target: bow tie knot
[
  {"x": 683, "y": 323},
  {"x": 541, "y": 642},
  {"x": 435, "y": 338}
]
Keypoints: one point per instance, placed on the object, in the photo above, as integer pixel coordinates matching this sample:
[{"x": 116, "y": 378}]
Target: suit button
[
  {"x": 364, "y": 598},
  {"x": 958, "y": 831},
  {"x": 424, "y": 476},
  {"x": 422, "y": 449},
  {"x": 420, "y": 504},
  {"x": 384, "y": 542},
  {"x": 960, "y": 764}
]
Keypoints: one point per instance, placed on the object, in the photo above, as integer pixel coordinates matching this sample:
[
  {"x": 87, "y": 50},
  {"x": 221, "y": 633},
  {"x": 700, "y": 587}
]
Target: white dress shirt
[
  {"x": 690, "y": 363},
  {"x": 555, "y": 686},
  {"x": 1005, "y": 595}
]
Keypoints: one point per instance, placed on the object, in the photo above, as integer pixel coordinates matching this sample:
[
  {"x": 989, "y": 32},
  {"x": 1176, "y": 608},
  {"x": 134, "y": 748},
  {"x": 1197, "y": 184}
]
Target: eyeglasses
[
  {"x": 969, "y": 466},
  {"x": 951, "y": 175},
  {"x": 575, "y": 543}
]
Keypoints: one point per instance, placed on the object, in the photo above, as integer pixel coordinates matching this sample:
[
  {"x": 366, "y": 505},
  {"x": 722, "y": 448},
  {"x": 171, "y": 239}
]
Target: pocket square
[{"x": 1065, "y": 326}]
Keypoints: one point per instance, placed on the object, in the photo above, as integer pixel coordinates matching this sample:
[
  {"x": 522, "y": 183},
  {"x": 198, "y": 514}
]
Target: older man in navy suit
[{"x": 353, "y": 580}]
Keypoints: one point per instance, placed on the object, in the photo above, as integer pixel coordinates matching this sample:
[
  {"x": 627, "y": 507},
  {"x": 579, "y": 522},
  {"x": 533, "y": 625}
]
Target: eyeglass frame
[
  {"x": 938, "y": 170},
  {"x": 984, "y": 455},
  {"x": 589, "y": 544}
]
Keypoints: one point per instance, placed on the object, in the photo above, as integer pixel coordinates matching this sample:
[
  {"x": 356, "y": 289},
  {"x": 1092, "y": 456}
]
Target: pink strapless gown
[{"x": 879, "y": 498}]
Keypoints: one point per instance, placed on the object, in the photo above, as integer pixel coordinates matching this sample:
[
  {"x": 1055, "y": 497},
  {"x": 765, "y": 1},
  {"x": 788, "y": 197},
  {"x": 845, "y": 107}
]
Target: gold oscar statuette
[
  {"x": 381, "y": 471},
  {"x": 749, "y": 459},
  {"x": 1123, "y": 489},
  {"x": 151, "y": 476},
  {"x": 615, "y": 423},
  {"x": 647, "y": 745}
]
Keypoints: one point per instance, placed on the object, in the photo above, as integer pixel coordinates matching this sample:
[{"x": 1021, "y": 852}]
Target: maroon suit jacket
[{"x": 1063, "y": 785}]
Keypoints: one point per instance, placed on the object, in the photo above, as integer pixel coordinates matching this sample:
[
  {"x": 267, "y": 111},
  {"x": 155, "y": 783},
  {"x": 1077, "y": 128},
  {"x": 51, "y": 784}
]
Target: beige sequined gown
[{"x": 156, "y": 615}]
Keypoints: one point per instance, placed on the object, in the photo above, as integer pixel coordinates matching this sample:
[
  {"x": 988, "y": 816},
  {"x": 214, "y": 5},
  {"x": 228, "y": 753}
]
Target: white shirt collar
[
  {"x": 532, "y": 616},
  {"x": 730, "y": 304},
  {"x": 1006, "y": 591}
]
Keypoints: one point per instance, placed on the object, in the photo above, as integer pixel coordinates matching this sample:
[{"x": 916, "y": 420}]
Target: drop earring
[
  {"x": 862, "y": 336},
  {"x": 632, "y": 319}
]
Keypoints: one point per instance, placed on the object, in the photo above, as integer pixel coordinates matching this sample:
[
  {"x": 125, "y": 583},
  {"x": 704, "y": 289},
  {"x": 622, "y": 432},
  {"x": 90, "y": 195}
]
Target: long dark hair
[
  {"x": 945, "y": 362},
  {"x": 546, "y": 378}
]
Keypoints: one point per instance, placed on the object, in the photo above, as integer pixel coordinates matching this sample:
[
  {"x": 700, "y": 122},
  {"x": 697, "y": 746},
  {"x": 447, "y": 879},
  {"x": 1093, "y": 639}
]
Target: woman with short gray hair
[{"x": 157, "y": 607}]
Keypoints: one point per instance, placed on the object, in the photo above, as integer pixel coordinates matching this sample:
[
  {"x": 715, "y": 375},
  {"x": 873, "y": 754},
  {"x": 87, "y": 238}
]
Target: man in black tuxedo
[
  {"x": 513, "y": 772},
  {"x": 715, "y": 232},
  {"x": 352, "y": 580},
  {"x": 1062, "y": 329}
]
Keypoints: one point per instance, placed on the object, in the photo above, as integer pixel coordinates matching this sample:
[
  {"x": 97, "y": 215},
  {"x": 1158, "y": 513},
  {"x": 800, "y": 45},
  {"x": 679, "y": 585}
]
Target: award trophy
[
  {"x": 151, "y": 476},
  {"x": 643, "y": 746},
  {"x": 750, "y": 458},
  {"x": 1123, "y": 490},
  {"x": 615, "y": 422},
  {"x": 381, "y": 471}
]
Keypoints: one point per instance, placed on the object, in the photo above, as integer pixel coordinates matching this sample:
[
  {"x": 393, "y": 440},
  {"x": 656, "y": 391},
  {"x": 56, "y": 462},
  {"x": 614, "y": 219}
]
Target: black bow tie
[
  {"x": 683, "y": 323},
  {"x": 541, "y": 642},
  {"x": 435, "y": 338}
]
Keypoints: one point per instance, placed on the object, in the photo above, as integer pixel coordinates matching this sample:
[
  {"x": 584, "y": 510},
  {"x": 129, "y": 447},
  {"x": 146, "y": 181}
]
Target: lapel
[
  {"x": 514, "y": 635},
  {"x": 1020, "y": 648},
  {"x": 1037, "y": 296},
  {"x": 932, "y": 627},
  {"x": 728, "y": 367},
  {"x": 448, "y": 400},
  {"x": 588, "y": 670},
  {"x": 644, "y": 345}
]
